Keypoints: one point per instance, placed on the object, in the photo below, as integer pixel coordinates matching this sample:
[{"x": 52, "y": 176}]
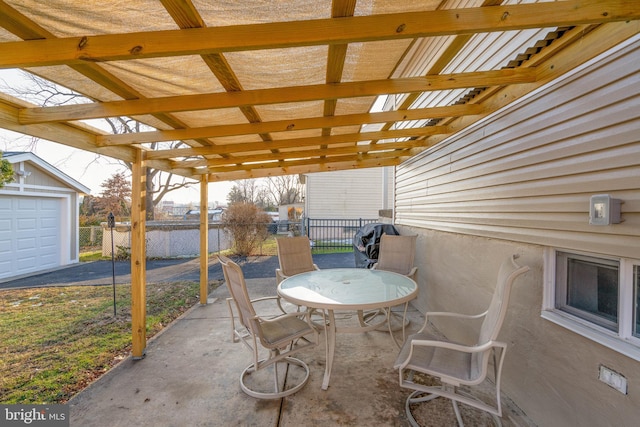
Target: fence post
[{"x": 92, "y": 236}]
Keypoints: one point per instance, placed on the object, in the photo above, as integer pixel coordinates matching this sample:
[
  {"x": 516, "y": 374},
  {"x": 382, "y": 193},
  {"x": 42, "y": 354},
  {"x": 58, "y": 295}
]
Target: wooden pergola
[{"x": 230, "y": 90}]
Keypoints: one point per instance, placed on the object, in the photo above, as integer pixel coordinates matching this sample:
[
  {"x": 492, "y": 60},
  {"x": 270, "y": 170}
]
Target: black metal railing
[{"x": 333, "y": 234}]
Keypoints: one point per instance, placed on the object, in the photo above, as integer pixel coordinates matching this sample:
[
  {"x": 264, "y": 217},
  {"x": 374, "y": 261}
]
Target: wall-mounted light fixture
[
  {"x": 23, "y": 173},
  {"x": 604, "y": 210}
]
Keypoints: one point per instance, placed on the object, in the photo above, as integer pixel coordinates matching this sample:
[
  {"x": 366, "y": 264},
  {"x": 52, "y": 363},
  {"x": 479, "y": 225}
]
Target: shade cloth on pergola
[{"x": 266, "y": 88}]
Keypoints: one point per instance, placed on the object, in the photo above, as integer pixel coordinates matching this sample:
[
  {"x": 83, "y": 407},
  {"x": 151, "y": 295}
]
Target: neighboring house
[
  {"x": 348, "y": 194},
  {"x": 38, "y": 217},
  {"x": 521, "y": 182}
]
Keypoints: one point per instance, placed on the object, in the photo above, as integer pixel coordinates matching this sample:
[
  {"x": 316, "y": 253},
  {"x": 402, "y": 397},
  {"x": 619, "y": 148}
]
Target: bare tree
[
  {"x": 45, "y": 93},
  {"x": 285, "y": 189},
  {"x": 243, "y": 191},
  {"x": 267, "y": 193},
  {"x": 159, "y": 183}
]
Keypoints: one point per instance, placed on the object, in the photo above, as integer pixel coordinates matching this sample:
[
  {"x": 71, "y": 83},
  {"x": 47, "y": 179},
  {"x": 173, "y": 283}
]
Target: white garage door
[{"x": 29, "y": 235}]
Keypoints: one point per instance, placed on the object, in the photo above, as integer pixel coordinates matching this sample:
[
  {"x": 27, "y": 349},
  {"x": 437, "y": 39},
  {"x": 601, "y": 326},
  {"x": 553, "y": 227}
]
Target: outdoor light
[{"x": 603, "y": 210}]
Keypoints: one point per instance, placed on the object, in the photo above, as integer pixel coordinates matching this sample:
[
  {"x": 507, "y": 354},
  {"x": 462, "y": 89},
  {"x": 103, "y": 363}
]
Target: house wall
[
  {"x": 358, "y": 193},
  {"x": 520, "y": 182}
]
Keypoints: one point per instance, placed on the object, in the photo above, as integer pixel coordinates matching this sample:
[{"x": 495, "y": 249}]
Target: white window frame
[{"x": 623, "y": 341}]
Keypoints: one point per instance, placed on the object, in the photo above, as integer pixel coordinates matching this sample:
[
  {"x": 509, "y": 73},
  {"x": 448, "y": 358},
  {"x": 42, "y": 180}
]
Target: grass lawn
[
  {"x": 55, "y": 341},
  {"x": 92, "y": 256},
  {"x": 269, "y": 247}
]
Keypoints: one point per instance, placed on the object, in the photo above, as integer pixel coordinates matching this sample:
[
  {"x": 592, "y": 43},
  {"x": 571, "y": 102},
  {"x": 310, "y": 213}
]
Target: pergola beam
[
  {"x": 386, "y": 158},
  {"x": 289, "y": 125},
  {"x": 300, "y": 154},
  {"x": 325, "y": 165},
  {"x": 208, "y": 40},
  {"x": 277, "y": 95},
  {"x": 296, "y": 142},
  {"x": 27, "y": 29}
]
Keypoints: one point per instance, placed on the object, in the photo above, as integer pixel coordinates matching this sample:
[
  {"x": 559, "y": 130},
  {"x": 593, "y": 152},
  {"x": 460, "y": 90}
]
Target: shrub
[
  {"x": 123, "y": 253},
  {"x": 248, "y": 226}
]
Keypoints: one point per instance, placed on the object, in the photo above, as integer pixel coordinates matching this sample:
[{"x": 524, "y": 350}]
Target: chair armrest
[
  {"x": 280, "y": 276},
  {"x": 450, "y": 314},
  {"x": 298, "y": 314},
  {"x": 431, "y": 314},
  {"x": 449, "y": 346},
  {"x": 264, "y": 299},
  {"x": 457, "y": 347},
  {"x": 410, "y": 274}
]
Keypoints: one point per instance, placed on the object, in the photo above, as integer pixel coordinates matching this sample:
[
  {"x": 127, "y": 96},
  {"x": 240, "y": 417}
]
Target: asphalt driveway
[{"x": 164, "y": 270}]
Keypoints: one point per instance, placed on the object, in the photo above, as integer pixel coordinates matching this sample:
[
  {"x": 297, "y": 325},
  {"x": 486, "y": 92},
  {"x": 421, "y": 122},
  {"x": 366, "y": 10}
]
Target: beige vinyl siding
[
  {"x": 347, "y": 194},
  {"x": 526, "y": 174},
  {"x": 520, "y": 182}
]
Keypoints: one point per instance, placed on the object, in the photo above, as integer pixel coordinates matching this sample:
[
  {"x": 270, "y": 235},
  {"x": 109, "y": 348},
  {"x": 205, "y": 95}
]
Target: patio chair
[
  {"x": 294, "y": 257},
  {"x": 283, "y": 336},
  {"x": 396, "y": 254},
  {"x": 456, "y": 364}
]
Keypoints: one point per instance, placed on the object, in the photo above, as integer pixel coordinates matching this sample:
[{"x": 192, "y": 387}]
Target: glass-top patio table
[{"x": 347, "y": 289}]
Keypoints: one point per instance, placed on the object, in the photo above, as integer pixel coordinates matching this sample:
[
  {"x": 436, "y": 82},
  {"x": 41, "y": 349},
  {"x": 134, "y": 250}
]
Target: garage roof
[
  {"x": 237, "y": 90},
  {"x": 15, "y": 157}
]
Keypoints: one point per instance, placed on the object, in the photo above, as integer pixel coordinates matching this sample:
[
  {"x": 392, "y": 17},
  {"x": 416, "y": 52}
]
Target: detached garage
[{"x": 38, "y": 217}]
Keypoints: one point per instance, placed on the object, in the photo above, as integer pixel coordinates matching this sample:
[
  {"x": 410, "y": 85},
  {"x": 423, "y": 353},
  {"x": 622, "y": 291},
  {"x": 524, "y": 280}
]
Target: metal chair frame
[
  {"x": 283, "y": 336},
  {"x": 456, "y": 364}
]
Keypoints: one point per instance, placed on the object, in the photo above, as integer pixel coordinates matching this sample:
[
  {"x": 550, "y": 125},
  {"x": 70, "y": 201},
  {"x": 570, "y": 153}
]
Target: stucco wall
[{"x": 550, "y": 372}]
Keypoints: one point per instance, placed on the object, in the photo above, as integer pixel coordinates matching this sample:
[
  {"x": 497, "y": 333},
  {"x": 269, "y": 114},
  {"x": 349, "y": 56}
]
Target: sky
[{"x": 90, "y": 169}]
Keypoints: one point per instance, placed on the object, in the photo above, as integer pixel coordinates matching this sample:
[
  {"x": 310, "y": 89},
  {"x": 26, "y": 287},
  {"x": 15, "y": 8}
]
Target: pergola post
[
  {"x": 138, "y": 256},
  {"x": 204, "y": 238}
]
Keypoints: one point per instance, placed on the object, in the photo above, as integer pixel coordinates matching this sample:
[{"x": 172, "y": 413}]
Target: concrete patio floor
[{"x": 190, "y": 377}]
